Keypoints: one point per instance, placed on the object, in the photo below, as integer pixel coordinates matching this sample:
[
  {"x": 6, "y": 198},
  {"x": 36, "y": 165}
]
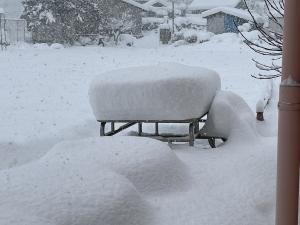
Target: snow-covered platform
[
  {"x": 167, "y": 91},
  {"x": 163, "y": 93}
]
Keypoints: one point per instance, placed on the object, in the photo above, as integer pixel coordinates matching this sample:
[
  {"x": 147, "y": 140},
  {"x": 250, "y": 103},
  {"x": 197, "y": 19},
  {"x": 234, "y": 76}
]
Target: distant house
[
  {"x": 199, "y": 6},
  {"x": 225, "y": 19}
]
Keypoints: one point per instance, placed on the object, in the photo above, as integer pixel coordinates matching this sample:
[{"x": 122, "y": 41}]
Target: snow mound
[
  {"x": 149, "y": 164},
  {"x": 56, "y": 46},
  {"x": 230, "y": 117},
  {"x": 166, "y": 91},
  {"x": 71, "y": 193}
]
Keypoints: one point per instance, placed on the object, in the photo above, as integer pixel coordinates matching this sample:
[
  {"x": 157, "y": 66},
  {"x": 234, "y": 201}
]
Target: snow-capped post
[
  {"x": 289, "y": 121},
  {"x": 264, "y": 100}
]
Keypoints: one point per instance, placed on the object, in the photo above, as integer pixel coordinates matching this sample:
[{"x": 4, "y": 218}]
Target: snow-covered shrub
[
  {"x": 190, "y": 37},
  {"x": 246, "y": 27},
  {"x": 127, "y": 39},
  {"x": 179, "y": 43},
  {"x": 252, "y": 36},
  {"x": 230, "y": 117},
  {"x": 177, "y": 36}
]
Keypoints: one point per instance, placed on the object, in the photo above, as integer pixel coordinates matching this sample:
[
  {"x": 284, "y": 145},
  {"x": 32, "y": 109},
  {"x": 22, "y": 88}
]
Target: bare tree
[{"x": 270, "y": 41}]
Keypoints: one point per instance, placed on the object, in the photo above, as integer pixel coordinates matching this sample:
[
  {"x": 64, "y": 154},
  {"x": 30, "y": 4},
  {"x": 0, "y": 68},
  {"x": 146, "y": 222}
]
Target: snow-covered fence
[
  {"x": 264, "y": 100},
  {"x": 16, "y": 30}
]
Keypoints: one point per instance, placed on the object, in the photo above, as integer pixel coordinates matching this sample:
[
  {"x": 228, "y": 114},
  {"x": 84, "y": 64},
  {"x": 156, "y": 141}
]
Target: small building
[{"x": 225, "y": 19}]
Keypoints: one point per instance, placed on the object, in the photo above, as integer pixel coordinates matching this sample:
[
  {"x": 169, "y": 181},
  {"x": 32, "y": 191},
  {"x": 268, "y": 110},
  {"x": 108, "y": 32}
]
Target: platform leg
[
  {"x": 212, "y": 142},
  {"x": 192, "y": 134},
  {"x": 140, "y": 131},
  {"x": 197, "y": 127},
  {"x": 102, "y": 129},
  {"x": 156, "y": 129},
  {"x": 112, "y": 126}
]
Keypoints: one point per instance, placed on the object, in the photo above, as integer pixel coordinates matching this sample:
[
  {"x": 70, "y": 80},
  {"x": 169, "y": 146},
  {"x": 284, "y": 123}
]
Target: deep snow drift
[
  {"x": 165, "y": 91},
  {"x": 44, "y": 100},
  {"x": 149, "y": 164},
  {"x": 72, "y": 186}
]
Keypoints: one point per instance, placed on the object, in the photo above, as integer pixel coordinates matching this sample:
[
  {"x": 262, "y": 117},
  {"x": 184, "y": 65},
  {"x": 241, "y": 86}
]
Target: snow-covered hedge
[
  {"x": 167, "y": 91},
  {"x": 230, "y": 117}
]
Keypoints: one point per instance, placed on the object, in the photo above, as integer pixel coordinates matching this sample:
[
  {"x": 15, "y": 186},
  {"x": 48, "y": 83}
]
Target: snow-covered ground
[{"x": 44, "y": 100}]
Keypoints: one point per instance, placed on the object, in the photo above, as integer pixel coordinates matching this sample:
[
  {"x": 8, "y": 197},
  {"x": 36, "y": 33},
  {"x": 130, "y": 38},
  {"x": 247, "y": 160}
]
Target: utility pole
[
  {"x": 289, "y": 120},
  {"x": 173, "y": 17}
]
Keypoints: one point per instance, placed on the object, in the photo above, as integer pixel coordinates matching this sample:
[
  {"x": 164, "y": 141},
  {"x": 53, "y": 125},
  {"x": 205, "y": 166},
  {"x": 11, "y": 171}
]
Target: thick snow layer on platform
[
  {"x": 149, "y": 164},
  {"x": 166, "y": 91},
  {"x": 64, "y": 192},
  {"x": 230, "y": 117}
]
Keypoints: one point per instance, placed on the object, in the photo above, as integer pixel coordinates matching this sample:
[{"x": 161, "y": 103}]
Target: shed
[{"x": 224, "y": 19}]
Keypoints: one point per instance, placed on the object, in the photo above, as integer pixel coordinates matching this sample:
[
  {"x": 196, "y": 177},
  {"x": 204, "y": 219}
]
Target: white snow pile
[
  {"x": 266, "y": 97},
  {"x": 252, "y": 36},
  {"x": 149, "y": 164},
  {"x": 127, "y": 40},
  {"x": 56, "y": 46},
  {"x": 70, "y": 186},
  {"x": 230, "y": 117},
  {"x": 166, "y": 91},
  {"x": 246, "y": 27}
]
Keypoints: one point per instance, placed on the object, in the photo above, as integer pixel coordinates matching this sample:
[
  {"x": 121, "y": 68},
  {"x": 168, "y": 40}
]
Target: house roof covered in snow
[
  {"x": 153, "y": 2},
  {"x": 134, "y": 3},
  {"x": 148, "y": 7},
  {"x": 210, "y": 4},
  {"x": 244, "y": 14}
]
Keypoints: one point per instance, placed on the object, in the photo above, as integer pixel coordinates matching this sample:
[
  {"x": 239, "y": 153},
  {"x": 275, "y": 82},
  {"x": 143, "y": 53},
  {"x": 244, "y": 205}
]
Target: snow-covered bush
[
  {"x": 192, "y": 36},
  {"x": 127, "y": 39},
  {"x": 246, "y": 27},
  {"x": 230, "y": 117}
]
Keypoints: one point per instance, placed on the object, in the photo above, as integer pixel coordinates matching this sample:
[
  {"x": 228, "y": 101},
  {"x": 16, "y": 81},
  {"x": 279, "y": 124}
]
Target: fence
[{"x": 13, "y": 31}]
